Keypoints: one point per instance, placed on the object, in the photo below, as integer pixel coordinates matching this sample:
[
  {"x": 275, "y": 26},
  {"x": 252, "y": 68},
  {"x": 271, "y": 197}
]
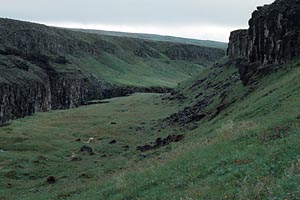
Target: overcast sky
[{"x": 201, "y": 19}]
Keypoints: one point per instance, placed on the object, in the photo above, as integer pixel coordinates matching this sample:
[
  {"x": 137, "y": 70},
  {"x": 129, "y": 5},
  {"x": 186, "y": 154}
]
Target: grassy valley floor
[
  {"x": 40, "y": 146},
  {"x": 250, "y": 150}
]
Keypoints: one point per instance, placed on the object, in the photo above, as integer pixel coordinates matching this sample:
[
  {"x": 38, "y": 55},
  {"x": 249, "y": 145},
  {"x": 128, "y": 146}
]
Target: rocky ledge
[{"x": 273, "y": 36}]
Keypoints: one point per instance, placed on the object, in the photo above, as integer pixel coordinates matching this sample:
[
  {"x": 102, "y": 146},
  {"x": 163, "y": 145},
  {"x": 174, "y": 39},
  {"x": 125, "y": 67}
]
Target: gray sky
[{"x": 202, "y": 19}]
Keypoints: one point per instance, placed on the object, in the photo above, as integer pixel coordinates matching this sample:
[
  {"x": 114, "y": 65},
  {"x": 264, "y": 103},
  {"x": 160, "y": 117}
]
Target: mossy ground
[{"x": 249, "y": 151}]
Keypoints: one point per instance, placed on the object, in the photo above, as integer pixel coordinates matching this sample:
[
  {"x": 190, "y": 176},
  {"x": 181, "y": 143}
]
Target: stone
[
  {"x": 238, "y": 45},
  {"x": 273, "y": 36},
  {"x": 51, "y": 180},
  {"x": 87, "y": 149},
  {"x": 160, "y": 142},
  {"x": 74, "y": 157},
  {"x": 113, "y": 142}
]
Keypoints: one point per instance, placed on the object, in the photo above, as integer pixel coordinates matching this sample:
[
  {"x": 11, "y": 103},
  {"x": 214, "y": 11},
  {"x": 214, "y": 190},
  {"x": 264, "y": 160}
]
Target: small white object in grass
[
  {"x": 2, "y": 151},
  {"x": 90, "y": 140}
]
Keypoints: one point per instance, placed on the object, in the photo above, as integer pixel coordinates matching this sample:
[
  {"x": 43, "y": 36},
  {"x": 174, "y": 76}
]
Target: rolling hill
[{"x": 153, "y": 37}]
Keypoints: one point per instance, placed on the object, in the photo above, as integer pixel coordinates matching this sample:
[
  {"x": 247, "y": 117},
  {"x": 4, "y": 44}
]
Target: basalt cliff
[
  {"x": 273, "y": 38},
  {"x": 271, "y": 43}
]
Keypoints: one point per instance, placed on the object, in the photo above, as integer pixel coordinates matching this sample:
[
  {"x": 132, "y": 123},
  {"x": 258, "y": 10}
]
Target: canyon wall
[
  {"x": 273, "y": 36},
  {"x": 37, "y": 74}
]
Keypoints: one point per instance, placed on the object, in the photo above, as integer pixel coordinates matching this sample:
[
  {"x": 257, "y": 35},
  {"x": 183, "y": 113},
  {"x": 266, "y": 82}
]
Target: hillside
[
  {"x": 153, "y": 37},
  {"x": 45, "y": 68}
]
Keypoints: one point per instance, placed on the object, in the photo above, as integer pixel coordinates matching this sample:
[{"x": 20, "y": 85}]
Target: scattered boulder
[
  {"x": 144, "y": 148},
  {"x": 140, "y": 128},
  {"x": 113, "y": 142},
  {"x": 113, "y": 123},
  {"x": 78, "y": 140},
  {"x": 87, "y": 149},
  {"x": 51, "y": 180},
  {"x": 125, "y": 147},
  {"x": 161, "y": 142},
  {"x": 74, "y": 157}
]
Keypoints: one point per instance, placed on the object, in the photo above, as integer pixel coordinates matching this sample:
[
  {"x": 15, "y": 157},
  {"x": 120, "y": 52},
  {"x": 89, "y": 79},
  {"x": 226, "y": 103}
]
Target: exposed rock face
[
  {"x": 238, "y": 45},
  {"x": 18, "y": 100},
  {"x": 273, "y": 36},
  {"x": 274, "y": 33}
]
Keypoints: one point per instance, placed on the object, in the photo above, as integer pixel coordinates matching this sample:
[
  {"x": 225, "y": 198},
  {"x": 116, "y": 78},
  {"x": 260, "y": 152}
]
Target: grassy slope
[
  {"x": 249, "y": 151},
  {"x": 207, "y": 43},
  {"x": 139, "y": 72},
  {"x": 125, "y": 68}
]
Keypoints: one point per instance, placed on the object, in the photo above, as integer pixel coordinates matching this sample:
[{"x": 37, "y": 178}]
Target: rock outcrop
[
  {"x": 273, "y": 36},
  {"x": 238, "y": 45}
]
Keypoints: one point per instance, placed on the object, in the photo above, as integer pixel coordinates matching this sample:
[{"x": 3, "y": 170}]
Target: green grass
[
  {"x": 249, "y": 151},
  {"x": 140, "y": 72},
  {"x": 37, "y": 147}
]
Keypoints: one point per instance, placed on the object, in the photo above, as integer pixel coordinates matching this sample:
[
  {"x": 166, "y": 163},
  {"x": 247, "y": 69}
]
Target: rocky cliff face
[
  {"x": 274, "y": 32},
  {"x": 60, "y": 91},
  {"x": 238, "y": 45},
  {"x": 56, "y": 91},
  {"x": 273, "y": 35}
]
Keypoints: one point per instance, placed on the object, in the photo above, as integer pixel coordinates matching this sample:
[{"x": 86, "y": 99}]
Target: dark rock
[
  {"x": 238, "y": 45},
  {"x": 77, "y": 140},
  {"x": 87, "y": 149},
  {"x": 113, "y": 123},
  {"x": 51, "y": 180},
  {"x": 74, "y": 157},
  {"x": 140, "y": 128},
  {"x": 144, "y": 148},
  {"x": 113, "y": 142},
  {"x": 273, "y": 37},
  {"x": 125, "y": 147},
  {"x": 159, "y": 142}
]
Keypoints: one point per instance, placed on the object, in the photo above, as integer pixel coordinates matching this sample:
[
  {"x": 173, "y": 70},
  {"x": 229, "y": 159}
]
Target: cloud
[{"x": 138, "y": 13}]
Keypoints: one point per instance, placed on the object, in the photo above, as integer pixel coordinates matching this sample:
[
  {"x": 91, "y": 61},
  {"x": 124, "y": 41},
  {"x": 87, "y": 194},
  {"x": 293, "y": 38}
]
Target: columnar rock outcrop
[
  {"x": 273, "y": 34},
  {"x": 238, "y": 45}
]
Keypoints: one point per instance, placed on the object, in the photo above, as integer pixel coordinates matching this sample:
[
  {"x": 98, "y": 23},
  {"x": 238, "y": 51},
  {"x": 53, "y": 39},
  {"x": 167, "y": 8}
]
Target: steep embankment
[{"x": 44, "y": 68}]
